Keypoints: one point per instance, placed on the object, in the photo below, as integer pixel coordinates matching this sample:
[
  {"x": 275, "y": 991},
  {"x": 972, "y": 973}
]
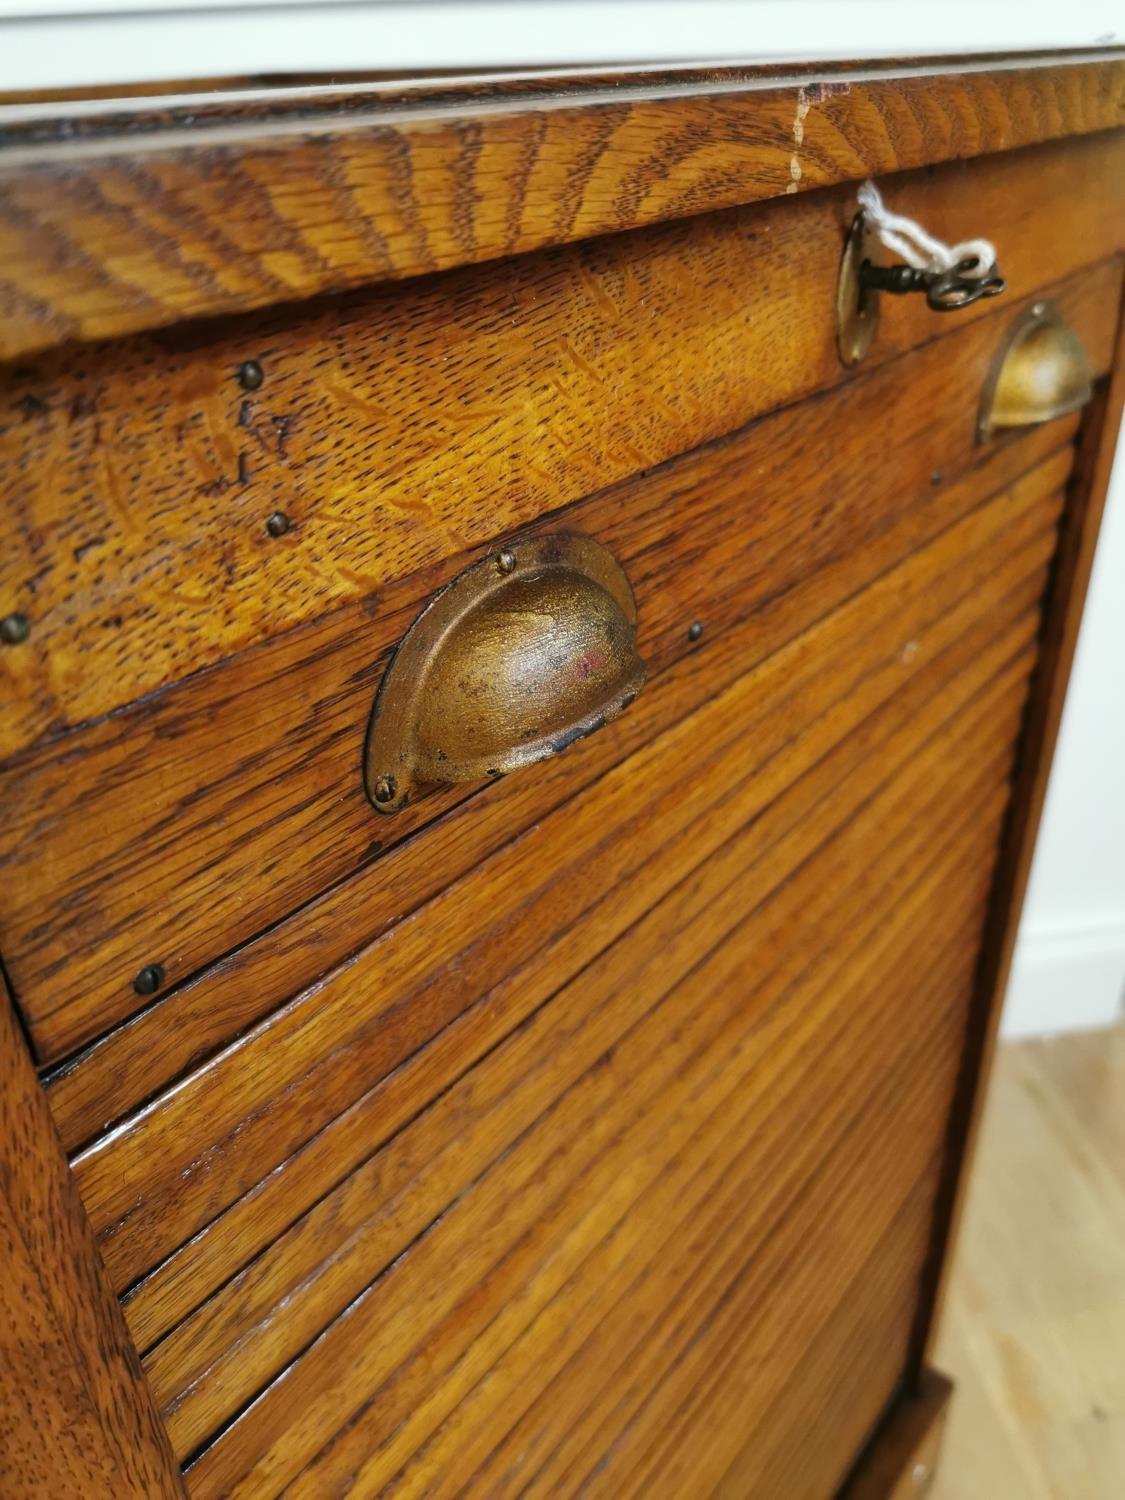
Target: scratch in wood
[
  {"x": 113, "y": 493},
  {"x": 597, "y": 291},
  {"x": 804, "y": 103},
  {"x": 813, "y": 93},
  {"x": 281, "y": 429},
  {"x": 337, "y": 386}
]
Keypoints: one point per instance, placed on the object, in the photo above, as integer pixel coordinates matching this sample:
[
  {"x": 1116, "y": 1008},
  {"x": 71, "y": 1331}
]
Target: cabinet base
[{"x": 901, "y": 1458}]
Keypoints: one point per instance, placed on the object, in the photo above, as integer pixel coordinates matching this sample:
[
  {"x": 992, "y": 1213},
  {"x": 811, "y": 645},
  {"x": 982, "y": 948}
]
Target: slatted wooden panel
[
  {"x": 405, "y": 1412},
  {"x": 199, "y": 1350},
  {"x": 77, "y": 1418},
  {"x": 773, "y": 585},
  {"x": 430, "y": 1099},
  {"x": 411, "y": 983},
  {"x": 383, "y": 1392},
  {"x": 582, "y": 1134}
]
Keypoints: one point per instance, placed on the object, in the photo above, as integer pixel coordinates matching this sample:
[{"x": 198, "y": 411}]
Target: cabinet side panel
[{"x": 76, "y": 1415}]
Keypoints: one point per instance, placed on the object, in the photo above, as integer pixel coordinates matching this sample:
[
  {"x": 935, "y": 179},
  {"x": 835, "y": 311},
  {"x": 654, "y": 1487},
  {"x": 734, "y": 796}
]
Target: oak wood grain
[
  {"x": 77, "y": 1419},
  {"x": 373, "y": 1449},
  {"x": 653, "y": 1347},
  {"x": 616, "y": 1416},
  {"x": 819, "y": 1416},
  {"x": 135, "y": 1060},
  {"x": 192, "y": 802},
  {"x": 234, "y": 1238},
  {"x": 220, "y": 1355},
  {"x": 405, "y": 424},
  {"x": 153, "y": 222},
  {"x": 596, "y": 1133},
  {"x": 296, "y": 1409},
  {"x": 272, "y": 1089},
  {"x": 1078, "y": 540},
  {"x": 662, "y": 1458}
]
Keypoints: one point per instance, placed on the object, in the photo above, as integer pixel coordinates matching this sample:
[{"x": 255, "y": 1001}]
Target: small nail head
[
  {"x": 936, "y": 477},
  {"x": 278, "y": 524},
  {"x": 250, "y": 375},
  {"x": 15, "y": 628},
  {"x": 385, "y": 789},
  {"x": 506, "y": 560},
  {"x": 149, "y": 980},
  {"x": 1038, "y": 310},
  {"x": 695, "y": 630}
]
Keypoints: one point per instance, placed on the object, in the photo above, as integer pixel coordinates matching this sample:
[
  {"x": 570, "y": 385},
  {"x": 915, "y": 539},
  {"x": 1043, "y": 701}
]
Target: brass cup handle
[
  {"x": 1040, "y": 372},
  {"x": 521, "y": 655}
]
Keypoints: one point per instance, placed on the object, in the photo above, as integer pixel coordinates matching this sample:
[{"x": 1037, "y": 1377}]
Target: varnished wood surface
[
  {"x": 159, "y": 1176},
  {"x": 804, "y": 1459},
  {"x": 190, "y": 805},
  {"x": 151, "y": 223},
  {"x": 435, "y": 1345},
  {"x": 237, "y": 1342},
  {"x": 707, "y": 1389},
  {"x": 77, "y": 1419},
  {"x": 265, "y": 1212},
  {"x": 1078, "y": 540},
  {"x": 45, "y": 116},
  {"x": 405, "y": 425},
  {"x": 226, "y": 1349},
  {"x": 1034, "y": 1322},
  {"x": 134, "y": 1060},
  {"x": 843, "y": 553},
  {"x": 583, "y": 1134}
]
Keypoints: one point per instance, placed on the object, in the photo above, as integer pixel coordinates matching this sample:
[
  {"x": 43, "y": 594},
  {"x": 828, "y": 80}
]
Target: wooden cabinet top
[{"x": 121, "y": 215}]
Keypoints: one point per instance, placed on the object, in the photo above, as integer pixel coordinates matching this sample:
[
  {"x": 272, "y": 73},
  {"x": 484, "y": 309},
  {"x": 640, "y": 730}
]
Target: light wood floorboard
[{"x": 1034, "y": 1330}]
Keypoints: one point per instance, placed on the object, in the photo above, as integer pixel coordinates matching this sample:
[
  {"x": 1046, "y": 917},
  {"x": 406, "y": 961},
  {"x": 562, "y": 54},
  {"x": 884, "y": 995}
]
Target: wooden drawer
[{"x": 580, "y": 1131}]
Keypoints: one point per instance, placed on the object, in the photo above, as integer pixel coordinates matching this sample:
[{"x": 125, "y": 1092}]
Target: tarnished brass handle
[
  {"x": 524, "y": 653},
  {"x": 1040, "y": 372}
]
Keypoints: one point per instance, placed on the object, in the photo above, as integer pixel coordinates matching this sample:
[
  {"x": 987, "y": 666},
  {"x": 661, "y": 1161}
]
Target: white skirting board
[{"x": 1066, "y": 980}]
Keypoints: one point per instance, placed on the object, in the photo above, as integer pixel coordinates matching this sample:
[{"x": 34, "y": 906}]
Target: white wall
[
  {"x": 1070, "y": 960},
  {"x": 56, "y": 43}
]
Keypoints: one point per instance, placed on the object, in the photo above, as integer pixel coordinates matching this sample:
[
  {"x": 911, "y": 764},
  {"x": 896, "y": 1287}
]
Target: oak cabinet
[{"x": 381, "y": 1123}]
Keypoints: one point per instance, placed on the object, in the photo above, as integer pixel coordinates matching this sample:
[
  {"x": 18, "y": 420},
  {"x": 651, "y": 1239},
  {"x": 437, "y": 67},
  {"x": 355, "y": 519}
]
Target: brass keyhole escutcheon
[
  {"x": 857, "y": 306},
  {"x": 525, "y": 652},
  {"x": 863, "y": 279}
]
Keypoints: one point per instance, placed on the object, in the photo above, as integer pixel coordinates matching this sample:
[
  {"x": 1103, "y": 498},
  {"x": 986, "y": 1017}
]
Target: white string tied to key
[{"x": 920, "y": 249}]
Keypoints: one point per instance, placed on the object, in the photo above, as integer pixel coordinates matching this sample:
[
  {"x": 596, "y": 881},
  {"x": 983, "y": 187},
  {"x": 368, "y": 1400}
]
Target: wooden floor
[{"x": 1034, "y": 1331}]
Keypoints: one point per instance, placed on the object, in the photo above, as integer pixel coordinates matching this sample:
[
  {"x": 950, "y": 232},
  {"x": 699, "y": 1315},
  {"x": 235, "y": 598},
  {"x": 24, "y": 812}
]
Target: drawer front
[{"x": 403, "y": 426}]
